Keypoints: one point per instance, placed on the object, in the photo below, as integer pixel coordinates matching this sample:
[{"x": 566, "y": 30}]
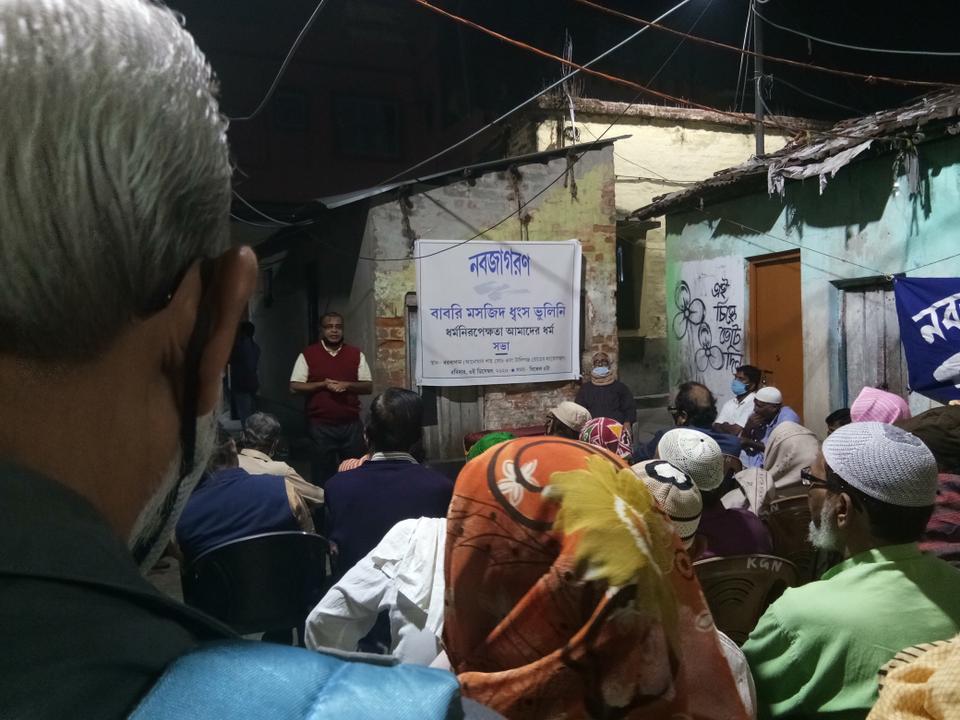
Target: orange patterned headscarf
[{"x": 569, "y": 594}]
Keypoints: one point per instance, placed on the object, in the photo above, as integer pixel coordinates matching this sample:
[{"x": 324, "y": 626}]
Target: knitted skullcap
[
  {"x": 884, "y": 462},
  {"x": 675, "y": 493},
  {"x": 769, "y": 395},
  {"x": 572, "y": 415},
  {"x": 878, "y": 405},
  {"x": 696, "y": 454}
]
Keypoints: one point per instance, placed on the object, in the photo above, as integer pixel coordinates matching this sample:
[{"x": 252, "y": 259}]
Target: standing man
[
  {"x": 735, "y": 412},
  {"x": 244, "y": 382},
  {"x": 332, "y": 375}
]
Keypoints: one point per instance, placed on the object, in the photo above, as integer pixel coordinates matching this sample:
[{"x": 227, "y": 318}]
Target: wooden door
[
  {"x": 776, "y": 324},
  {"x": 872, "y": 355}
]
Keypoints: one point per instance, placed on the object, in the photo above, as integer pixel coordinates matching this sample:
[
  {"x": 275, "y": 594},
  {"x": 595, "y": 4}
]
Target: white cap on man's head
[
  {"x": 697, "y": 454},
  {"x": 770, "y": 395},
  {"x": 884, "y": 462},
  {"x": 572, "y": 415}
]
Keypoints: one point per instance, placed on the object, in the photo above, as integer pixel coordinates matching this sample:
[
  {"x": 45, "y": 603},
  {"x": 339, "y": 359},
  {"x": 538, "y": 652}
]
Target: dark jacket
[
  {"x": 613, "y": 401},
  {"x": 364, "y": 503},
  {"x": 83, "y": 634}
]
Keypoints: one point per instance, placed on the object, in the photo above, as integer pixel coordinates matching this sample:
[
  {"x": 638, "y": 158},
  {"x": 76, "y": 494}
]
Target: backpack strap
[{"x": 244, "y": 679}]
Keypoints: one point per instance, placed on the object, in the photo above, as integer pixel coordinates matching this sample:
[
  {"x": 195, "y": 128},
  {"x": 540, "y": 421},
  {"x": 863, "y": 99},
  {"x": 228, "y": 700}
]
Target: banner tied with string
[{"x": 930, "y": 333}]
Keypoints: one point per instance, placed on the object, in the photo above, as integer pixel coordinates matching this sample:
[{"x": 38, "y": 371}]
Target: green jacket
[{"x": 816, "y": 651}]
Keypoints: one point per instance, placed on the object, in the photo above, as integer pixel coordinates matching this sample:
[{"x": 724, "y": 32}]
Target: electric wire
[
  {"x": 526, "y": 102},
  {"x": 771, "y": 58},
  {"x": 605, "y": 76},
  {"x": 471, "y": 136},
  {"x": 810, "y": 95},
  {"x": 741, "y": 70},
  {"x": 835, "y": 43},
  {"x": 283, "y": 66}
]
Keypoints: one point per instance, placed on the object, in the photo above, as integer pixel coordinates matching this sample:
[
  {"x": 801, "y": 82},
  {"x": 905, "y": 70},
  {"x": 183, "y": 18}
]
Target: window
[{"x": 367, "y": 127}]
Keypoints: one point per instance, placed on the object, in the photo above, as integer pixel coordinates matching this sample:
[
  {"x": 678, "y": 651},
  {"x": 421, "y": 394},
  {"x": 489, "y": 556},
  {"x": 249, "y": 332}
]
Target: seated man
[
  {"x": 603, "y": 395},
  {"x": 837, "y": 419},
  {"x": 566, "y": 420},
  {"x": 694, "y": 407},
  {"x": 768, "y": 412},
  {"x": 403, "y": 576},
  {"x": 737, "y": 410},
  {"x": 364, "y": 503},
  {"x": 721, "y": 532},
  {"x": 939, "y": 429},
  {"x": 229, "y": 503},
  {"x": 816, "y": 651},
  {"x": 261, "y": 435}
]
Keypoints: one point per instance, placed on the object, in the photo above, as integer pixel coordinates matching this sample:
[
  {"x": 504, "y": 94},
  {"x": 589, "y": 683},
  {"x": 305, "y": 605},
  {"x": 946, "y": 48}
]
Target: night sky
[{"x": 479, "y": 77}]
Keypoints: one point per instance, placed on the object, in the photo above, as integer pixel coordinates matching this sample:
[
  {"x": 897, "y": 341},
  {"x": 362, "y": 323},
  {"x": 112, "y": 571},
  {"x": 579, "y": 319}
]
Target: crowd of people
[{"x": 555, "y": 577}]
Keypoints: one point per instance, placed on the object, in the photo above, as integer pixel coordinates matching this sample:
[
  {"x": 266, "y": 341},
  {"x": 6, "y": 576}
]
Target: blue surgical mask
[
  {"x": 601, "y": 372},
  {"x": 738, "y": 387}
]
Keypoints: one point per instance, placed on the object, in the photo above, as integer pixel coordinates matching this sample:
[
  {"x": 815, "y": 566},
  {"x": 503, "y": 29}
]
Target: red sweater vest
[{"x": 330, "y": 408}]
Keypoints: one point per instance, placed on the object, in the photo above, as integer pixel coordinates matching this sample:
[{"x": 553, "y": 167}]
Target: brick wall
[{"x": 582, "y": 206}]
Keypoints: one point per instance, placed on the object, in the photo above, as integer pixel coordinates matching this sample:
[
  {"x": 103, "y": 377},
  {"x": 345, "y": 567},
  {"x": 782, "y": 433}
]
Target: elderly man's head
[
  {"x": 694, "y": 406},
  {"x": 767, "y": 403},
  {"x": 119, "y": 296},
  {"x": 873, "y": 485},
  {"x": 261, "y": 432}
]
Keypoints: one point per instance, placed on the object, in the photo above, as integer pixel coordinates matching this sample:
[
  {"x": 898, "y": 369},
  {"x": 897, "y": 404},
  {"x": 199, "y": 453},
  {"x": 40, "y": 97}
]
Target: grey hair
[
  {"x": 261, "y": 431},
  {"x": 116, "y": 166}
]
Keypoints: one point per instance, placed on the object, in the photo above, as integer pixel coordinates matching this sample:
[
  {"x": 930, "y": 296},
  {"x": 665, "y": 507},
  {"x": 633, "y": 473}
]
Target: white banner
[{"x": 493, "y": 313}]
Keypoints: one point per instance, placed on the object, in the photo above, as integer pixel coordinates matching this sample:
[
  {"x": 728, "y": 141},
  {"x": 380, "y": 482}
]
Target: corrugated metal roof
[
  {"x": 335, "y": 201},
  {"x": 821, "y": 153}
]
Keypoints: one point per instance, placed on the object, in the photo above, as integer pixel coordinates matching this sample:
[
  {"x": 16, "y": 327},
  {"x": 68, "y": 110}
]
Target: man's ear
[
  {"x": 845, "y": 510},
  {"x": 234, "y": 280}
]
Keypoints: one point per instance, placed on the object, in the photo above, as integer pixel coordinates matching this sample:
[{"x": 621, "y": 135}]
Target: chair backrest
[
  {"x": 739, "y": 589},
  {"x": 788, "y": 519},
  {"x": 259, "y": 583}
]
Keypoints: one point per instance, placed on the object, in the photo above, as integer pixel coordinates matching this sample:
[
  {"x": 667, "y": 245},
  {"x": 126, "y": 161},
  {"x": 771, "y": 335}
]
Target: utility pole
[{"x": 758, "y": 79}]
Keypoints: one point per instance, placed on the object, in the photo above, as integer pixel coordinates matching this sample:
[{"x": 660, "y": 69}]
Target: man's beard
[
  {"x": 827, "y": 536},
  {"x": 154, "y": 526}
]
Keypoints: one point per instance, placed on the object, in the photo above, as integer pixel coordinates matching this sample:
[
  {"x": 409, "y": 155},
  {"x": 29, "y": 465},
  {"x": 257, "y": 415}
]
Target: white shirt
[
  {"x": 402, "y": 574},
  {"x": 736, "y": 412},
  {"x": 301, "y": 371}
]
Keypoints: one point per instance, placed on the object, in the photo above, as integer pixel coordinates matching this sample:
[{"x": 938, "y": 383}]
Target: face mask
[
  {"x": 738, "y": 387},
  {"x": 155, "y": 525},
  {"x": 601, "y": 372}
]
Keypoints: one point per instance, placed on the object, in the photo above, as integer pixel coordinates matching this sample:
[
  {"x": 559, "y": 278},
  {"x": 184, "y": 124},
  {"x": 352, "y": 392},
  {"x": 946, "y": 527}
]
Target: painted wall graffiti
[{"x": 707, "y": 324}]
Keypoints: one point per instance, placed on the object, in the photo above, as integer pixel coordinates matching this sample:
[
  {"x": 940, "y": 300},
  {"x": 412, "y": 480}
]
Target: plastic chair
[
  {"x": 788, "y": 519},
  {"x": 262, "y": 583},
  {"x": 740, "y": 588}
]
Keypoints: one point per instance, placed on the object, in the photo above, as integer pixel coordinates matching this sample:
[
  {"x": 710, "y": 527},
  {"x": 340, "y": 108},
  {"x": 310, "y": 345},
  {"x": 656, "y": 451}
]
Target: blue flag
[{"x": 930, "y": 333}]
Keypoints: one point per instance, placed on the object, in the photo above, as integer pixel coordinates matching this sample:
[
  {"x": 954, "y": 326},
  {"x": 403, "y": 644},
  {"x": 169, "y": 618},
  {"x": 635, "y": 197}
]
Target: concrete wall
[
  {"x": 868, "y": 223},
  {"x": 582, "y": 207},
  {"x": 668, "y": 148}
]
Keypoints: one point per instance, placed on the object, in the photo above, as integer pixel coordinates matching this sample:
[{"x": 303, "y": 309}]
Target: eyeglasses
[{"x": 812, "y": 481}]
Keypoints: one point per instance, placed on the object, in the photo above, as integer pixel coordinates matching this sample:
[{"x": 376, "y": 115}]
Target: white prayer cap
[
  {"x": 697, "y": 454},
  {"x": 884, "y": 462},
  {"x": 770, "y": 395},
  {"x": 572, "y": 415}
]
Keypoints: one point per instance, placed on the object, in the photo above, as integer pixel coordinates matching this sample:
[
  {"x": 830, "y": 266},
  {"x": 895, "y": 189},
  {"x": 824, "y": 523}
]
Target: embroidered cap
[
  {"x": 696, "y": 454},
  {"x": 770, "y": 395},
  {"x": 885, "y": 462},
  {"x": 676, "y": 494}
]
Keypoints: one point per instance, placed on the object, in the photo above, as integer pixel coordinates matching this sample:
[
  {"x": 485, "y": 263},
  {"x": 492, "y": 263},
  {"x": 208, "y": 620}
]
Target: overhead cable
[
  {"x": 619, "y": 80},
  {"x": 771, "y": 58},
  {"x": 283, "y": 66},
  {"x": 883, "y": 51},
  {"x": 529, "y": 100}
]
